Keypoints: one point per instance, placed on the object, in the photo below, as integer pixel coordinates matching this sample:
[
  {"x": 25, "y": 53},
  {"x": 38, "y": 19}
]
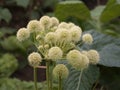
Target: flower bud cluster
[{"x": 56, "y": 40}]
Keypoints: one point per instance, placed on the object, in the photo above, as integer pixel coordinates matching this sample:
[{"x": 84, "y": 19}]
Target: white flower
[
  {"x": 34, "y": 59},
  {"x": 63, "y": 34},
  {"x": 54, "y": 21},
  {"x": 45, "y": 21},
  {"x": 63, "y": 25},
  {"x": 75, "y": 33},
  {"x": 23, "y": 34},
  {"x": 34, "y": 26},
  {"x": 93, "y": 56},
  {"x": 46, "y": 46},
  {"x": 55, "y": 53},
  {"x": 87, "y": 38},
  {"x": 77, "y": 60},
  {"x": 70, "y": 25},
  {"x": 60, "y": 70},
  {"x": 50, "y": 37}
]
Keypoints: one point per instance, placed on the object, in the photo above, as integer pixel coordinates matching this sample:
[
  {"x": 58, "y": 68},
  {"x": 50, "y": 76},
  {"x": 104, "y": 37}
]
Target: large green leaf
[
  {"x": 89, "y": 76},
  {"x": 108, "y": 47},
  {"x": 111, "y": 11},
  {"x": 5, "y": 14},
  {"x": 96, "y": 13},
  {"x": 69, "y": 9}
]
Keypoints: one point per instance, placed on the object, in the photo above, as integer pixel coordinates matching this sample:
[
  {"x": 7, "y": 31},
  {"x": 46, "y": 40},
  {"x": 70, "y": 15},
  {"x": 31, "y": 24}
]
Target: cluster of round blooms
[
  {"x": 60, "y": 70},
  {"x": 77, "y": 59},
  {"x": 56, "y": 40},
  {"x": 34, "y": 59}
]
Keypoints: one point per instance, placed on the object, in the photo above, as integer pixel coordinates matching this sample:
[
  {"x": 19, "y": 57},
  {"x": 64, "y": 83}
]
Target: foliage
[
  {"x": 89, "y": 76},
  {"x": 8, "y": 65},
  {"x": 76, "y": 7},
  {"x": 104, "y": 18},
  {"x": 13, "y": 84},
  {"x": 98, "y": 18},
  {"x": 109, "y": 51},
  {"x": 5, "y": 14}
]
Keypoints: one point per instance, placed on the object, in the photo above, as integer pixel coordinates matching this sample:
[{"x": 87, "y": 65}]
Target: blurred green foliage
[{"x": 8, "y": 65}]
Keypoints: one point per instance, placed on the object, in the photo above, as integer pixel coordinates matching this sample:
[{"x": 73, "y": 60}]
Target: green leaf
[
  {"x": 5, "y": 14},
  {"x": 6, "y": 30},
  {"x": 89, "y": 76},
  {"x": 23, "y": 3},
  {"x": 69, "y": 9},
  {"x": 108, "y": 47},
  {"x": 11, "y": 43},
  {"x": 8, "y": 64},
  {"x": 96, "y": 13},
  {"x": 111, "y": 11}
]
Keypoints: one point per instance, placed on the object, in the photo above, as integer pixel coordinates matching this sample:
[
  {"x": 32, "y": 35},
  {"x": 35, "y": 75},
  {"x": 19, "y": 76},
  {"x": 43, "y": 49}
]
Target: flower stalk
[
  {"x": 47, "y": 75},
  {"x": 60, "y": 83},
  {"x": 35, "y": 78}
]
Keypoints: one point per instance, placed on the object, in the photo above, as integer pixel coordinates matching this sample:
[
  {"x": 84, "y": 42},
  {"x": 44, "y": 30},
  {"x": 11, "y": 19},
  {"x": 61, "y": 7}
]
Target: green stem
[
  {"x": 79, "y": 79},
  {"x": 35, "y": 78},
  {"x": 60, "y": 83},
  {"x": 47, "y": 75},
  {"x": 51, "y": 86}
]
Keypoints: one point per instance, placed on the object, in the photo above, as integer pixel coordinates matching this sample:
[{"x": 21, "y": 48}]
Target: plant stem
[
  {"x": 35, "y": 78},
  {"x": 60, "y": 83},
  {"x": 47, "y": 75},
  {"x": 51, "y": 69},
  {"x": 79, "y": 79}
]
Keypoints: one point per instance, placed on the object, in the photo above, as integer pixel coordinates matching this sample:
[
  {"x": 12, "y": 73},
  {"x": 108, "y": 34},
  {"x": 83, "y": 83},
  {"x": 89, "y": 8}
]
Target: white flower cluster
[{"x": 56, "y": 40}]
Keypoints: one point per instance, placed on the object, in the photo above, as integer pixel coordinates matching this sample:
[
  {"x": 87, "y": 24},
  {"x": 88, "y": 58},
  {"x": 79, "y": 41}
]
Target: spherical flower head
[
  {"x": 87, "y": 38},
  {"x": 75, "y": 33},
  {"x": 50, "y": 37},
  {"x": 34, "y": 26},
  {"x": 63, "y": 25},
  {"x": 70, "y": 25},
  {"x": 93, "y": 56},
  {"x": 46, "y": 46},
  {"x": 54, "y": 21},
  {"x": 60, "y": 70},
  {"x": 40, "y": 47},
  {"x": 34, "y": 59},
  {"x": 55, "y": 53},
  {"x": 23, "y": 34},
  {"x": 45, "y": 21},
  {"x": 77, "y": 60},
  {"x": 63, "y": 35}
]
